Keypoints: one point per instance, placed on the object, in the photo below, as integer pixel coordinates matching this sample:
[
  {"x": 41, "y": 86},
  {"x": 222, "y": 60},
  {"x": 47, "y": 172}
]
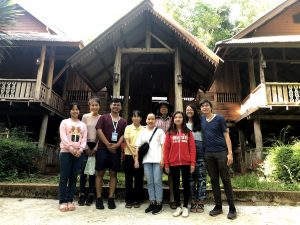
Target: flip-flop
[
  {"x": 63, "y": 207},
  {"x": 71, "y": 206}
]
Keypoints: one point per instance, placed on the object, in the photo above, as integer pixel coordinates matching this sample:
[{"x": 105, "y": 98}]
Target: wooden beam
[
  {"x": 178, "y": 81},
  {"x": 262, "y": 66},
  {"x": 39, "y": 75},
  {"x": 251, "y": 72},
  {"x": 275, "y": 117},
  {"x": 258, "y": 139},
  {"x": 50, "y": 73},
  {"x": 60, "y": 73},
  {"x": 125, "y": 113},
  {"x": 161, "y": 42},
  {"x": 43, "y": 131},
  {"x": 117, "y": 74},
  {"x": 146, "y": 51}
]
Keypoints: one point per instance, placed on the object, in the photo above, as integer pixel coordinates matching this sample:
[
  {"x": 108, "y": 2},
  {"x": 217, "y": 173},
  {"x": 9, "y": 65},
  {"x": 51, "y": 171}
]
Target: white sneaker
[
  {"x": 185, "y": 212},
  {"x": 178, "y": 211}
]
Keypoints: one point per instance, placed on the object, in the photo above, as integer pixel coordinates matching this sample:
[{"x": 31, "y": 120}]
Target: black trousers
[
  {"x": 175, "y": 171},
  {"x": 216, "y": 163},
  {"x": 135, "y": 194}
]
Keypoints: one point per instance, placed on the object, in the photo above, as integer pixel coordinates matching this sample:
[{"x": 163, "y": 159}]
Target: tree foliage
[{"x": 212, "y": 23}]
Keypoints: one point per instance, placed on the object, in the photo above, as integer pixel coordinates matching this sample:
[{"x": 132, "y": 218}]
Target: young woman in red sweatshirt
[{"x": 180, "y": 155}]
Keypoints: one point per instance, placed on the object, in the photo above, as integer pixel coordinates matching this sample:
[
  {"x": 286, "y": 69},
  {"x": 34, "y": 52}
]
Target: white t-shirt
[{"x": 155, "y": 150}]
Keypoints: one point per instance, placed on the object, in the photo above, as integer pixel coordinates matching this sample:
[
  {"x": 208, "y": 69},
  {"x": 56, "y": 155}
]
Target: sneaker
[
  {"x": 217, "y": 210},
  {"x": 128, "y": 205},
  {"x": 157, "y": 209},
  {"x": 111, "y": 203},
  {"x": 99, "y": 203},
  {"x": 90, "y": 200},
  {"x": 178, "y": 211},
  {"x": 185, "y": 212},
  {"x": 232, "y": 213},
  {"x": 81, "y": 200},
  {"x": 136, "y": 205},
  {"x": 150, "y": 208}
]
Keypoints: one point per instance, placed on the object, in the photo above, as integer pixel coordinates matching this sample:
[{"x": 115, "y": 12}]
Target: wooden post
[
  {"x": 43, "y": 131},
  {"x": 251, "y": 72},
  {"x": 178, "y": 82},
  {"x": 262, "y": 66},
  {"x": 117, "y": 74},
  {"x": 242, "y": 141},
  {"x": 125, "y": 113},
  {"x": 50, "y": 73},
  {"x": 258, "y": 139},
  {"x": 237, "y": 76},
  {"x": 39, "y": 75}
]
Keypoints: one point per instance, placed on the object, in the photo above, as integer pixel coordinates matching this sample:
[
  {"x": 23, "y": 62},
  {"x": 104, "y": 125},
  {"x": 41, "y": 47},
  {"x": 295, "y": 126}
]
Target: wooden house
[
  {"x": 35, "y": 83},
  {"x": 146, "y": 56},
  {"x": 261, "y": 77}
]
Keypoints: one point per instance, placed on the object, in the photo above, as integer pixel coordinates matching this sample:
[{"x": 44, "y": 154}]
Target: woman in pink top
[{"x": 73, "y": 135}]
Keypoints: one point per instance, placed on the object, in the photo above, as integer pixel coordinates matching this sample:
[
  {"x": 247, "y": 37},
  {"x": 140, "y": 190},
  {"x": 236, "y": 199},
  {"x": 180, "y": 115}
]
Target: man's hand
[
  {"x": 113, "y": 147},
  {"x": 229, "y": 159},
  {"x": 167, "y": 170}
]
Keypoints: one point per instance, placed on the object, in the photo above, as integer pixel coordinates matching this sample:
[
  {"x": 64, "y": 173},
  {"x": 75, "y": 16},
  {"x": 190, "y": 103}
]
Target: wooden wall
[
  {"x": 27, "y": 23},
  {"x": 283, "y": 24}
]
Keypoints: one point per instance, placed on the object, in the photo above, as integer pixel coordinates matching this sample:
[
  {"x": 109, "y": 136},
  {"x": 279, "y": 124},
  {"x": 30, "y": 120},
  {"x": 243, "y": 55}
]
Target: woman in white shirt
[{"x": 153, "y": 163}]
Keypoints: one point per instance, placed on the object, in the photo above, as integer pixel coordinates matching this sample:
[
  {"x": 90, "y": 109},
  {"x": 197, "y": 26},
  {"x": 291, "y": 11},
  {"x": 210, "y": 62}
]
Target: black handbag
[{"x": 144, "y": 148}]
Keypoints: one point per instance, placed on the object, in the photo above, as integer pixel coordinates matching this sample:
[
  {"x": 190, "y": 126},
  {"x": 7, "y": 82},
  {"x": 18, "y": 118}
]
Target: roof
[
  {"x": 42, "y": 19},
  {"x": 42, "y": 38},
  {"x": 264, "y": 19},
  {"x": 97, "y": 58},
  {"x": 291, "y": 41}
]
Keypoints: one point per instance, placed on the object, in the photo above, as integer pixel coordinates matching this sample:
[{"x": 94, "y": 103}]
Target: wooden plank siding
[
  {"x": 27, "y": 23},
  {"x": 283, "y": 24}
]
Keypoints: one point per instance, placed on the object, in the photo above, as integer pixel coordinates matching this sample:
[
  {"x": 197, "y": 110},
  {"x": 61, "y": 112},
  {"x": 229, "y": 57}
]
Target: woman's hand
[
  {"x": 167, "y": 170},
  {"x": 161, "y": 163},
  {"x": 77, "y": 153},
  {"x": 136, "y": 164},
  {"x": 192, "y": 169}
]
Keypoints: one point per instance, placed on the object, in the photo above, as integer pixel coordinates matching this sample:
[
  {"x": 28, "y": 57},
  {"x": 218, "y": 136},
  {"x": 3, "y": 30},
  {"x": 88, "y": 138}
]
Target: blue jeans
[
  {"x": 153, "y": 174},
  {"x": 198, "y": 178},
  {"x": 83, "y": 177},
  {"x": 69, "y": 168}
]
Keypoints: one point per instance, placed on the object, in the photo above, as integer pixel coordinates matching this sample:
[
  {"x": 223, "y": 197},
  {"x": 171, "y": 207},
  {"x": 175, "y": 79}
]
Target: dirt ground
[{"x": 18, "y": 211}]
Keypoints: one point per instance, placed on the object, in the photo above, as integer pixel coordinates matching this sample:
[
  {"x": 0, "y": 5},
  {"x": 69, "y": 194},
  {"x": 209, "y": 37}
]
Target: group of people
[{"x": 183, "y": 145}]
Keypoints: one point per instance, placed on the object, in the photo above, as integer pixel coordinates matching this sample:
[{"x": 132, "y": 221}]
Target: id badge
[{"x": 114, "y": 136}]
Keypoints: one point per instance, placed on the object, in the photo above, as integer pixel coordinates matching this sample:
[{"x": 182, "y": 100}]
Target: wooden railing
[
  {"x": 24, "y": 89},
  {"x": 283, "y": 93},
  {"x": 224, "y": 97},
  {"x": 272, "y": 93},
  {"x": 78, "y": 96}
]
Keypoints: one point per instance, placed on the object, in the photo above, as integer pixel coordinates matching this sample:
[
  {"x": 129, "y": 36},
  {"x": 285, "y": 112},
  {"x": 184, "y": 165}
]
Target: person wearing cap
[
  {"x": 217, "y": 156},
  {"x": 163, "y": 121}
]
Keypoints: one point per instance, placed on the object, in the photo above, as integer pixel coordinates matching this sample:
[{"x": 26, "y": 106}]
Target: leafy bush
[
  {"x": 283, "y": 163},
  {"x": 16, "y": 158}
]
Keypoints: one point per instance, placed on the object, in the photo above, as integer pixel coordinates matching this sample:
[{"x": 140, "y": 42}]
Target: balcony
[
  {"x": 271, "y": 94},
  {"x": 24, "y": 90}
]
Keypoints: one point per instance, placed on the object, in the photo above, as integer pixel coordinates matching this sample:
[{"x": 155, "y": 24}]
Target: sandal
[
  {"x": 200, "y": 208},
  {"x": 194, "y": 207},
  {"x": 71, "y": 206},
  {"x": 173, "y": 205},
  {"x": 63, "y": 207}
]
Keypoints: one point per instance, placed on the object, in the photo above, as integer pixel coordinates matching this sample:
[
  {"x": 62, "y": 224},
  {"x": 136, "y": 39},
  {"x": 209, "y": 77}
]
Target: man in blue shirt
[{"x": 218, "y": 157}]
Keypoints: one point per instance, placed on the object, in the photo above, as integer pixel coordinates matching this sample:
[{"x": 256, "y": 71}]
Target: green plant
[
  {"x": 283, "y": 163},
  {"x": 16, "y": 158},
  {"x": 282, "y": 138}
]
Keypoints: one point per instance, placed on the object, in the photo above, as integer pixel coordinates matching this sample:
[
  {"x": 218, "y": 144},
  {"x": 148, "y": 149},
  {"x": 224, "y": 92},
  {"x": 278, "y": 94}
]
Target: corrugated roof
[
  {"x": 39, "y": 37},
  {"x": 265, "y": 41}
]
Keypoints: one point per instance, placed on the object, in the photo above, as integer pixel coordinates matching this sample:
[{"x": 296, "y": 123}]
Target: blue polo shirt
[{"x": 213, "y": 133}]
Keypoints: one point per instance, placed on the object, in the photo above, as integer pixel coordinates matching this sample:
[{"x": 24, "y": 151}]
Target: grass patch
[{"x": 246, "y": 181}]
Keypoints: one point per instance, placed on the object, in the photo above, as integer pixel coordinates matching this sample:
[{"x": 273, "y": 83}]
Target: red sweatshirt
[{"x": 179, "y": 149}]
